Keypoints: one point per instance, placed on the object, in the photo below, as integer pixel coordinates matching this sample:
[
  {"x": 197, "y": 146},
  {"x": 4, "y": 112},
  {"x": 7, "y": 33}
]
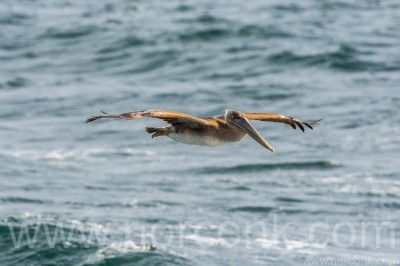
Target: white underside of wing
[{"x": 196, "y": 139}]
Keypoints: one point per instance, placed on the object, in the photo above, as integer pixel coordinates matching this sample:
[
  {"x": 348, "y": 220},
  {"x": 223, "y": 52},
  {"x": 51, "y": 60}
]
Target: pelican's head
[{"x": 238, "y": 121}]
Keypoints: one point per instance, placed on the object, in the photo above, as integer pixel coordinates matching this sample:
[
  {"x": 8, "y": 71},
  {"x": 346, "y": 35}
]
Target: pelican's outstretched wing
[
  {"x": 171, "y": 117},
  {"x": 272, "y": 117}
]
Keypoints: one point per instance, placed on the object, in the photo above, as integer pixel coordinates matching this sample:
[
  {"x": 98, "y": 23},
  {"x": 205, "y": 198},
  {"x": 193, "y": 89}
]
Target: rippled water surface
[{"x": 150, "y": 201}]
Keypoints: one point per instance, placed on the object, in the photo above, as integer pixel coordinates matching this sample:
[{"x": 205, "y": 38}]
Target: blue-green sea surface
[{"x": 105, "y": 193}]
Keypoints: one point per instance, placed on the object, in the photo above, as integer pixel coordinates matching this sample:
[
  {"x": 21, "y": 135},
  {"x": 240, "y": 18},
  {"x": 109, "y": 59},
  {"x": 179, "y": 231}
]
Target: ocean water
[{"x": 105, "y": 193}]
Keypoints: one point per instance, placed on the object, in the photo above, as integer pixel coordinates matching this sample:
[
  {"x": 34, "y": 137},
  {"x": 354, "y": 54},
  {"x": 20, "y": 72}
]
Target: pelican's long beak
[{"x": 246, "y": 126}]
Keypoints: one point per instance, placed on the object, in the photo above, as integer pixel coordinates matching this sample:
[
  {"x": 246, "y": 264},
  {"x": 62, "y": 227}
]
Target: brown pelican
[{"x": 209, "y": 131}]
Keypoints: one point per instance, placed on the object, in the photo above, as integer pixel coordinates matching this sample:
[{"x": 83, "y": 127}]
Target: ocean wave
[
  {"x": 32, "y": 218},
  {"x": 203, "y": 34},
  {"x": 229, "y": 30},
  {"x": 211, "y": 26},
  {"x": 241, "y": 188},
  {"x": 114, "y": 57},
  {"x": 208, "y": 240},
  {"x": 272, "y": 96},
  {"x": 260, "y": 209},
  {"x": 174, "y": 96},
  {"x": 116, "y": 250},
  {"x": 313, "y": 165},
  {"x": 76, "y": 31},
  {"x": 268, "y": 209},
  {"x": 122, "y": 44},
  {"x": 15, "y": 18},
  {"x": 14, "y": 83},
  {"x": 128, "y": 204},
  {"x": 290, "y": 245},
  {"x": 133, "y": 204},
  {"x": 274, "y": 92},
  {"x": 205, "y": 18},
  {"x": 388, "y": 205},
  {"x": 288, "y": 199},
  {"x": 345, "y": 58},
  {"x": 184, "y": 8},
  {"x": 265, "y": 32},
  {"x": 22, "y": 200},
  {"x": 76, "y": 154},
  {"x": 149, "y": 62},
  {"x": 37, "y": 237},
  {"x": 128, "y": 252}
]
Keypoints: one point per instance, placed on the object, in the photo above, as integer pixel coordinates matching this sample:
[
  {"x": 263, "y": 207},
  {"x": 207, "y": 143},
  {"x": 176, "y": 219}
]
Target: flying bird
[{"x": 209, "y": 131}]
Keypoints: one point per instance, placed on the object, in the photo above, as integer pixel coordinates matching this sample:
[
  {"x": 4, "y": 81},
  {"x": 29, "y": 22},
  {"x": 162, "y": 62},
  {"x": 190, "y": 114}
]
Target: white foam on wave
[
  {"x": 38, "y": 217},
  {"x": 43, "y": 218},
  {"x": 112, "y": 250},
  {"x": 289, "y": 245},
  {"x": 121, "y": 248},
  {"x": 267, "y": 243},
  {"x": 212, "y": 241},
  {"x": 371, "y": 184},
  {"x": 76, "y": 154},
  {"x": 116, "y": 249}
]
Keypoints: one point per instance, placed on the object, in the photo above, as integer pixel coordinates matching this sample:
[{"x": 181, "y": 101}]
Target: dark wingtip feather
[
  {"x": 299, "y": 124},
  {"x": 105, "y": 113},
  {"x": 91, "y": 119},
  {"x": 314, "y": 121},
  {"x": 308, "y": 125}
]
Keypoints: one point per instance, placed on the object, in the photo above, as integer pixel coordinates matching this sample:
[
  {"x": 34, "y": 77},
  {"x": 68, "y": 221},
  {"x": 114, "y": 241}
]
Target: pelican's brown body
[
  {"x": 209, "y": 131},
  {"x": 217, "y": 133}
]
